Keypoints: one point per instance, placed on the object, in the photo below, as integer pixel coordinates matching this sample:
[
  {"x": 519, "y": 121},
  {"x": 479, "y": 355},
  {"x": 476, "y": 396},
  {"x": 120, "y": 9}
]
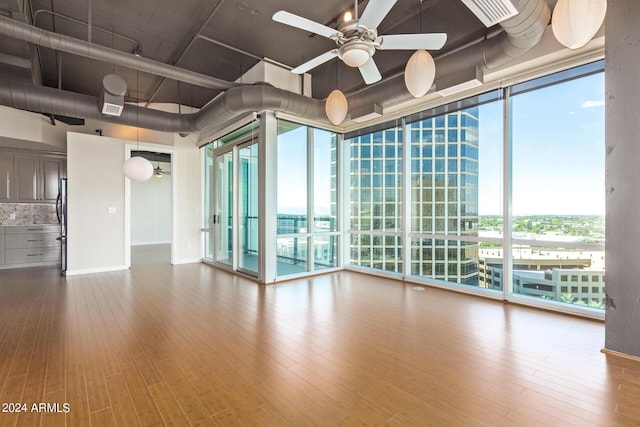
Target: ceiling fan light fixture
[
  {"x": 336, "y": 107},
  {"x": 356, "y": 54},
  {"x": 575, "y": 22},
  {"x": 419, "y": 73},
  {"x": 138, "y": 169}
]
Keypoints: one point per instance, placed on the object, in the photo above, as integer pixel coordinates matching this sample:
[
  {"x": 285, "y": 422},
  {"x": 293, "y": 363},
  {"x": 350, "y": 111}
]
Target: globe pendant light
[
  {"x": 138, "y": 169},
  {"x": 575, "y": 22},
  {"x": 336, "y": 107},
  {"x": 419, "y": 73}
]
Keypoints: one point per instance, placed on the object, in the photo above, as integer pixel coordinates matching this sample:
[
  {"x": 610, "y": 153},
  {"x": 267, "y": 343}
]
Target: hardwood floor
[{"x": 192, "y": 345}]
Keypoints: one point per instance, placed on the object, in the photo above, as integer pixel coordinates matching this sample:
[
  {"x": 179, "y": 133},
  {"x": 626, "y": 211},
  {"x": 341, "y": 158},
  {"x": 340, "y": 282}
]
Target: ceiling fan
[
  {"x": 357, "y": 39},
  {"x": 158, "y": 172}
]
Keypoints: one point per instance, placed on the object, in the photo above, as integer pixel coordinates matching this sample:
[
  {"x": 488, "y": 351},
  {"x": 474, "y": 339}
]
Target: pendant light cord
[{"x": 137, "y": 110}]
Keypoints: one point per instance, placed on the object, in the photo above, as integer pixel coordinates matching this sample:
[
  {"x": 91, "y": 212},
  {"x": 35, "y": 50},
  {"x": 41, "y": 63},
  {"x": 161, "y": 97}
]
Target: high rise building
[{"x": 443, "y": 192}]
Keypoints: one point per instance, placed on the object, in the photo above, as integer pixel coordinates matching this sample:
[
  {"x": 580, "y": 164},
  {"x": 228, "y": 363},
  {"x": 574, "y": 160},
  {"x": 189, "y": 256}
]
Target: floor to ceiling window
[
  {"x": 308, "y": 235},
  {"x": 376, "y": 199},
  {"x": 456, "y": 190},
  {"x": 500, "y": 194},
  {"x": 558, "y": 188}
]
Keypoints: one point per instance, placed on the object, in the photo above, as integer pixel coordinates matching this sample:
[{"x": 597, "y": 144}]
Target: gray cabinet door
[
  {"x": 26, "y": 177},
  {"x": 51, "y": 170},
  {"x": 6, "y": 177}
]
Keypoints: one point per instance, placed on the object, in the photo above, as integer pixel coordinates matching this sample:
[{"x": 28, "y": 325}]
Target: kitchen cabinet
[
  {"x": 6, "y": 177},
  {"x": 30, "y": 245},
  {"x": 51, "y": 170},
  {"x": 25, "y": 169},
  {"x": 30, "y": 177},
  {"x": 1, "y": 245}
]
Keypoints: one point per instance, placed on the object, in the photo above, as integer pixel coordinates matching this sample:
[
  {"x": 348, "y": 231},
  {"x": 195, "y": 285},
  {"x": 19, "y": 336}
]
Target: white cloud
[{"x": 592, "y": 103}]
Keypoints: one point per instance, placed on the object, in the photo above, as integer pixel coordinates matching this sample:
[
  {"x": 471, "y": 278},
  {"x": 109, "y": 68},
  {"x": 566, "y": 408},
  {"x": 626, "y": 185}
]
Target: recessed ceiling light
[{"x": 418, "y": 288}]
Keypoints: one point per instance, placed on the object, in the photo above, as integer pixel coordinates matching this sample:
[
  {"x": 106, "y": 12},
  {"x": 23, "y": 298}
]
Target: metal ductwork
[
  {"x": 521, "y": 33},
  {"x": 18, "y": 30},
  {"x": 234, "y": 102}
]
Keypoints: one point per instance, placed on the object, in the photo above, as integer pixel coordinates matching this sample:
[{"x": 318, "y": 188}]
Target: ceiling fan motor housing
[{"x": 357, "y": 43}]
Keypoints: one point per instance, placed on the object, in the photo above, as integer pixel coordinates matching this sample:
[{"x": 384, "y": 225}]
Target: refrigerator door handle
[{"x": 58, "y": 206}]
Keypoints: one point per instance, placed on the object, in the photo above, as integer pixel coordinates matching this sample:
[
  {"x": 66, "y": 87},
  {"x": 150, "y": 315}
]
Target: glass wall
[
  {"x": 306, "y": 199},
  {"x": 427, "y": 193},
  {"x": 376, "y": 189},
  {"x": 455, "y": 156},
  {"x": 558, "y": 190}
]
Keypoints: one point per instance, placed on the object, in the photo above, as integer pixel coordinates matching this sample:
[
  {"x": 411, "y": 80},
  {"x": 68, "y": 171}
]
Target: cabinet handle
[
  {"x": 31, "y": 240},
  {"x": 34, "y": 254}
]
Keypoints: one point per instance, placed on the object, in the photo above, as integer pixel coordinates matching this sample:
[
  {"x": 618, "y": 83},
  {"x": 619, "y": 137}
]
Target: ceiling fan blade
[
  {"x": 375, "y": 12},
  {"x": 304, "y": 24},
  {"x": 313, "y": 63},
  {"x": 432, "y": 41},
  {"x": 370, "y": 72}
]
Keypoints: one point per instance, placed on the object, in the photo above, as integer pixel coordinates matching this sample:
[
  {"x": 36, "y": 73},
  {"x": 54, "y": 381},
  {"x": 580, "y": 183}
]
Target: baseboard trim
[
  {"x": 187, "y": 261},
  {"x": 96, "y": 270},
  {"x": 619, "y": 354}
]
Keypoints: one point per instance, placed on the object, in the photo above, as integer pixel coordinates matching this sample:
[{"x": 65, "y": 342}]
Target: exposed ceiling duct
[
  {"x": 521, "y": 33},
  {"x": 18, "y": 30},
  {"x": 235, "y": 102}
]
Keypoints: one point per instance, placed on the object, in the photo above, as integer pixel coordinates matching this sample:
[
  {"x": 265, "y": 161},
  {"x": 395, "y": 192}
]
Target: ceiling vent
[
  {"x": 113, "y": 95},
  {"x": 491, "y": 12}
]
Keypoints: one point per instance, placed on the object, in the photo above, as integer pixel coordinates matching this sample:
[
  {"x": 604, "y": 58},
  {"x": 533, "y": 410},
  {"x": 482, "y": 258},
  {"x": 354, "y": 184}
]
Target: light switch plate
[{"x": 111, "y": 210}]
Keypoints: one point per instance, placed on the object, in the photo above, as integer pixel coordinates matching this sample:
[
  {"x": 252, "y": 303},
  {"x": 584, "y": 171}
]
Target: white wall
[
  {"x": 186, "y": 167},
  {"x": 27, "y": 126},
  {"x": 96, "y": 238},
  {"x": 151, "y": 205},
  {"x": 22, "y": 125}
]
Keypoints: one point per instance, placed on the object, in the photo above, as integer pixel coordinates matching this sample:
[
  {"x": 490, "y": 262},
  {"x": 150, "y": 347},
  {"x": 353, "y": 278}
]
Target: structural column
[
  {"x": 268, "y": 217},
  {"x": 622, "y": 179}
]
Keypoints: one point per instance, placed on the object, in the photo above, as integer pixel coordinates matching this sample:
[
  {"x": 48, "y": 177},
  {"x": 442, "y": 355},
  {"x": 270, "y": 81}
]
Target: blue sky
[
  {"x": 558, "y": 154},
  {"x": 558, "y": 149}
]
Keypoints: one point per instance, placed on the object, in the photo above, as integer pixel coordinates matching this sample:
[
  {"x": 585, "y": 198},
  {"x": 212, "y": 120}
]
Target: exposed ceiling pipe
[
  {"x": 28, "y": 33},
  {"x": 521, "y": 33},
  {"x": 234, "y": 102}
]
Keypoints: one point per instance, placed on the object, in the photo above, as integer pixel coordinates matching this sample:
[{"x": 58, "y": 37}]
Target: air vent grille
[
  {"x": 111, "y": 109},
  {"x": 491, "y": 12}
]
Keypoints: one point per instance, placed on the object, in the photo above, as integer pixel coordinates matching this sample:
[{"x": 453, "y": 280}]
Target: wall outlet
[
  {"x": 111, "y": 210},
  {"x": 12, "y": 216}
]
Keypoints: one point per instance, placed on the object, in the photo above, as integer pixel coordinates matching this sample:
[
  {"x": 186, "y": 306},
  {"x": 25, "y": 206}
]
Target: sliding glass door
[
  {"x": 235, "y": 202},
  {"x": 223, "y": 212},
  {"x": 248, "y": 208}
]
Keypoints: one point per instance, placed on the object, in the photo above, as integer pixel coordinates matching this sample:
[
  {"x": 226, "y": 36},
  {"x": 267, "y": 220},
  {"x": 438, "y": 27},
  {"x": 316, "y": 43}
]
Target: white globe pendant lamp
[
  {"x": 575, "y": 22},
  {"x": 336, "y": 107},
  {"x": 138, "y": 169},
  {"x": 419, "y": 73}
]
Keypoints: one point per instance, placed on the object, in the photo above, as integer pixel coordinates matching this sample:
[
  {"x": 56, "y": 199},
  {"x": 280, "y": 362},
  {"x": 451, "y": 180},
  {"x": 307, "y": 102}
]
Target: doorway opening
[{"x": 151, "y": 212}]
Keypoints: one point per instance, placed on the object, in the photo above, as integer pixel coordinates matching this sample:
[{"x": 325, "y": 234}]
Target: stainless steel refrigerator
[{"x": 61, "y": 211}]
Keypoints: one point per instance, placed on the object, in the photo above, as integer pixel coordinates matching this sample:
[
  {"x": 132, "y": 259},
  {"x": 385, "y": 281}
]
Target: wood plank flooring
[{"x": 194, "y": 346}]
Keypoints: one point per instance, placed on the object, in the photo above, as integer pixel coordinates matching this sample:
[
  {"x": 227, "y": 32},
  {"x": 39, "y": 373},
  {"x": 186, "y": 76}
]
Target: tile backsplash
[{"x": 27, "y": 213}]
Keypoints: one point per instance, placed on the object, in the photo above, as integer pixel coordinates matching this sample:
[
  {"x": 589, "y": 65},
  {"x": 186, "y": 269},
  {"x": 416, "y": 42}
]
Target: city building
[{"x": 443, "y": 196}]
